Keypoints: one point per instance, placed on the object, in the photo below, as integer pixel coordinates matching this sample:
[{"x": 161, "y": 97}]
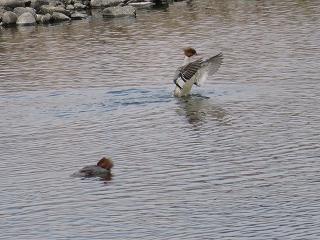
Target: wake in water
[{"x": 134, "y": 96}]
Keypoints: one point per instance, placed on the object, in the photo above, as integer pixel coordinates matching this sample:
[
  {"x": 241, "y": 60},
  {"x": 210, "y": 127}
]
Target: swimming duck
[
  {"x": 194, "y": 71},
  {"x": 101, "y": 169}
]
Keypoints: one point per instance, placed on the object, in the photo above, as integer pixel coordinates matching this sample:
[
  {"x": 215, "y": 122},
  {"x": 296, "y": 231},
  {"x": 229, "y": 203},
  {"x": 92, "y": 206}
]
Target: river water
[{"x": 238, "y": 159}]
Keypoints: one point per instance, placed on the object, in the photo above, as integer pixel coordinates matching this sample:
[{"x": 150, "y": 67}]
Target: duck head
[
  {"x": 189, "y": 52},
  {"x": 105, "y": 163}
]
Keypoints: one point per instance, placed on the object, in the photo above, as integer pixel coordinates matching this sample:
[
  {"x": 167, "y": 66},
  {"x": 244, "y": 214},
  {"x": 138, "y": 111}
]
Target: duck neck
[{"x": 186, "y": 60}]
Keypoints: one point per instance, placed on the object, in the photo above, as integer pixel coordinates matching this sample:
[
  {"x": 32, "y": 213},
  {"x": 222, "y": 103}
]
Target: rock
[
  {"x": 78, "y": 16},
  {"x": 44, "y": 9},
  {"x": 38, "y": 17},
  {"x": 2, "y": 11},
  {"x": 26, "y": 18},
  {"x": 79, "y": 6},
  {"x": 141, "y": 4},
  {"x": 59, "y": 17},
  {"x": 46, "y": 18},
  {"x": 56, "y": 3},
  {"x": 11, "y": 4},
  {"x": 36, "y": 4},
  {"x": 9, "y": 18},
  {"x": 105, "y": 3},
  {"x": 20, "y": 10},
  {"x": 119, "y": 11},
  {"x": 27, "y": 3},
  {"x": 69, "y": 7}
]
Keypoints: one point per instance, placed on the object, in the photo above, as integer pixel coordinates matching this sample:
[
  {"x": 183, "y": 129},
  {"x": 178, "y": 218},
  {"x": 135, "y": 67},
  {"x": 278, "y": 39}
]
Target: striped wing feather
[
  {"x": 208, "y": 68},
  {"x": 213, "y": 63},
  {"x": 190, "y": 69}
]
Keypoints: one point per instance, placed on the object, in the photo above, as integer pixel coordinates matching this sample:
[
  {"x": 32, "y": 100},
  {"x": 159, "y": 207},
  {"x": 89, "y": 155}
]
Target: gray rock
[
  {"x": 69, "y": 7},
  {"x": 44, "y": 9},
  {"x": 11, "y": 4},
  {"x": 9, "y": 18},
  {"x": 79, "y": 6},
  {"x": 2, "y": 11},
  {"x": 105, "y": 3},
  {"x": 56, "y": 3},
  {"x": 119, "y": 11},
  {"x": 36, "y": 4},
  {"x": 78, "y": 16},
  {"x": 59, "y": 17},
  {"x": 146, "y": 4},
  {"x": 38, "y": 17},
  {"x": 26, "y": 18},
  {"x": 45, "y": 19},
  {"x": 20, "y": 10}
]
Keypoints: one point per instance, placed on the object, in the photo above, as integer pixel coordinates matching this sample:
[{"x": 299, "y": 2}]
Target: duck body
[
  {"x": 92, "y": 171},
  {"x": 101, "y": 169}
]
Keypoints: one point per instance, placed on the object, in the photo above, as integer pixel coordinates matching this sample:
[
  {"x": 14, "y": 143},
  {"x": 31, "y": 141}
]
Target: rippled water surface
[{"x": 239, "y": 159}]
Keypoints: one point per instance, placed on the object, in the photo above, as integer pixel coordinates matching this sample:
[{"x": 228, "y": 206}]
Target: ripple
[{"x": 237, "y": 159}]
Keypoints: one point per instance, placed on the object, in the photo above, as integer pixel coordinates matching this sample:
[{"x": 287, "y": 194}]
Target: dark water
[{"x": 239, "y": 159}]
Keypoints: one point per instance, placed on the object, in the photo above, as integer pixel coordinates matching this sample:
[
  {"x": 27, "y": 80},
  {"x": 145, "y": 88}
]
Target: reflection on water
[
  {"x": 198, "y": 109},
  {"x": 238, "y": 159}
]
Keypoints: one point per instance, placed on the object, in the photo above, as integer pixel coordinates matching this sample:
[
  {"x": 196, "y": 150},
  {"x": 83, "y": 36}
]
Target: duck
[
  {"x": 101, "y": 169},
  {"x": 194, "y": 71}
]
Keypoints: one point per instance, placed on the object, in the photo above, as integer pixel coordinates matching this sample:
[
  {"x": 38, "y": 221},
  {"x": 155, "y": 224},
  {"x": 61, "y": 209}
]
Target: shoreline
[{"x": 33, "y": 12}]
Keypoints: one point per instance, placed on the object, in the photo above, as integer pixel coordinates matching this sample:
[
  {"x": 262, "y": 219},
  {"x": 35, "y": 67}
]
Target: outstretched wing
[
  {"x": 208, "y": 68},
  {"x": 189, "y": 70},
  {"x": 213, "y": 63}
]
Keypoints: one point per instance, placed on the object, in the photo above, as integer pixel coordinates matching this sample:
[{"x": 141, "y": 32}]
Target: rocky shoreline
[{"x": 32, "y": 12}]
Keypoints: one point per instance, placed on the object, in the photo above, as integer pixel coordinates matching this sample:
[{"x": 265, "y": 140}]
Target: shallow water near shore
[{"x": 238, "y": 159}]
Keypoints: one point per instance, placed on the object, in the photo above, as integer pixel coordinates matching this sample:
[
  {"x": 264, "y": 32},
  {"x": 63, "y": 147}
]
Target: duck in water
[
  {"x": 101, "y": 169},
  {"x": 194, "y": 71}
]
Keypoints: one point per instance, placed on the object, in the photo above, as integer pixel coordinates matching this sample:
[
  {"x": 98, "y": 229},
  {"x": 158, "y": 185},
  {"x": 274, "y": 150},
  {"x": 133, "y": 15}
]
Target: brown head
[
  {"x": 189, "y": 52},
  {"x": 105, "y": 163}
]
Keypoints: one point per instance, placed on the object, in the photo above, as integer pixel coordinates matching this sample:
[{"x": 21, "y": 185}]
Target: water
[{"x": 239, "y": 159}]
